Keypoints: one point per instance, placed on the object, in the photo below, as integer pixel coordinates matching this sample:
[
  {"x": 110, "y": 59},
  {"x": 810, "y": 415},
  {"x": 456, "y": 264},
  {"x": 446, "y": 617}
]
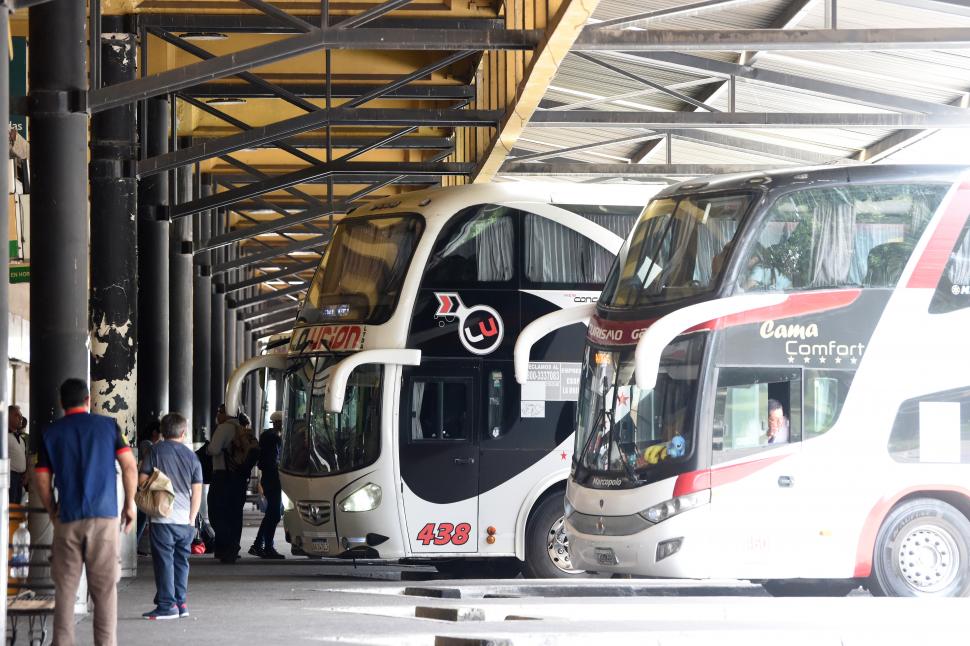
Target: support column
[
  {"x": 58, "y": 136},
  {"x": 230, "y": 277},
  {"x": 202, "y": 409},
  {"x": 180, "y": 303},
  {"x": 218, "y": 337},
  {"x": 114, "y": 260},
  {"x": 153, "y": 276},
  {"x": 4, "y": 321}
]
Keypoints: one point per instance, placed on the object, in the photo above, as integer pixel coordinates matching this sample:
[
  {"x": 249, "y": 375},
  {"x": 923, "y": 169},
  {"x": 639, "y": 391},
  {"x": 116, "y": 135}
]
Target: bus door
[
  {"x": 755, "y": 497},
  {"x": 439, "y": 431}
]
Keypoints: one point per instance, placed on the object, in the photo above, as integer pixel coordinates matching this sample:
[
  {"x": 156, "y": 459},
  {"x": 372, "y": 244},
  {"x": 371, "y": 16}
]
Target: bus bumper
[{"x": 675, "y": 548}]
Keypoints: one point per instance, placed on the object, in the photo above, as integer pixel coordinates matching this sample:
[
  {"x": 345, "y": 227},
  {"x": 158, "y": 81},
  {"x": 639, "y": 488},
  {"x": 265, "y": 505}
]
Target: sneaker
[
  {"x": 183, "y": 611},
  {"x": 271, "y": 553},
  {"x": 158, "y": 614},
  {"x": 256, "y": 551}
]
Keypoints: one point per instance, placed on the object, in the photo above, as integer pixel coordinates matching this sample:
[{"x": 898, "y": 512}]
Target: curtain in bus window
[
  {"x": 417, "y": 403},
  {"x": 832, "y": 248},
  {"x": 494, "y": 250},
  {"x": 711, "y": 239}
]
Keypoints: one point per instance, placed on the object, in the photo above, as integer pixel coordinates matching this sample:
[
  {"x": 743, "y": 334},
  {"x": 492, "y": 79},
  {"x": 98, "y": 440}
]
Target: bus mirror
[
  {"x": 336, "y": 386},
  {"x": 667, "y": 328},
  {"x": 234, "y": 384},
  {"x": 542, "y": 326}
]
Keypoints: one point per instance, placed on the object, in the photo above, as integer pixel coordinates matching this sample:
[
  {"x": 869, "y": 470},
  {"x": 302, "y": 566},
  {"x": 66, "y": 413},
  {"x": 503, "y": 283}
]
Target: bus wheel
[
  {"x": 922, "y": 550},
  {"x": 809, "y": 587},
  {"x": 546, "y": 543}
]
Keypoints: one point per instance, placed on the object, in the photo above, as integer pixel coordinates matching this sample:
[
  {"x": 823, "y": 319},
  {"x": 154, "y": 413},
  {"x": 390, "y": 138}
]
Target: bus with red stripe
[{"x": 775, "y": 386}]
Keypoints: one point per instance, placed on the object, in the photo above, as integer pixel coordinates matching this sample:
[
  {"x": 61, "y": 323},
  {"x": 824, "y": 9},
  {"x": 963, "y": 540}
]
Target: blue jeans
[
  {"x": 171, "y": 546},
  {"x": 274, "y": 506}
]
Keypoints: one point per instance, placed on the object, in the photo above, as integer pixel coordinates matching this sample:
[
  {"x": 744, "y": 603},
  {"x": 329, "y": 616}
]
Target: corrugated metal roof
[{"x": 934, "y": 76}]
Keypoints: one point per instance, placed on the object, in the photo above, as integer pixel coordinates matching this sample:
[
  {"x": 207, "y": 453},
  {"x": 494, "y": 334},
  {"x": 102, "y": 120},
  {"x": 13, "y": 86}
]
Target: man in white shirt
[
  {"x": 777, "y": 423},
  {"x": 17, "y": 443}
]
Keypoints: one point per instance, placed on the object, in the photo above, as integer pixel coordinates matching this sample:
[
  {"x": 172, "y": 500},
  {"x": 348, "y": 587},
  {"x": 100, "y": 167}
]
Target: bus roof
[
  {"x": 454, "y": 198},
  {"x": 791, "y": 177}
]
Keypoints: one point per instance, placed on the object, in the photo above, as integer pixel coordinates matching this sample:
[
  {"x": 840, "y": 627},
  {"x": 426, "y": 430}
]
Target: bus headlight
[
  {"x": 364, "y": 498},
  {"x": 664, "y": 510}
]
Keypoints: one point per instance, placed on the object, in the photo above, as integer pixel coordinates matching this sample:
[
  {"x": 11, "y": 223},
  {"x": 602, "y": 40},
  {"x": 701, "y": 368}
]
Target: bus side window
[
  {"x": 933, "y": 428},
  {"x": 825, "y": 392},
  {"x": 755, "y": 409},
  {"x": 953, "y": 291},
  {"x": 476, "y": 247},
  {"x": 440, "y": 409},
  {"x": 839, "y": 236}
]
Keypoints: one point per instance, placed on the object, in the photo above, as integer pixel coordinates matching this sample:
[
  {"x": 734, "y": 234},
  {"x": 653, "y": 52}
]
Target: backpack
[
  {"x": 243, "y": 452},
  {"x": 206, "y": 461}
]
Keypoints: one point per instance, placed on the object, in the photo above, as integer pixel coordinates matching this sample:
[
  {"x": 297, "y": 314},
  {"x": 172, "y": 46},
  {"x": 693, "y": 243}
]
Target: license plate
[
  {"x": 320, "y": 545},
  {"x": 605, "y": 556}
]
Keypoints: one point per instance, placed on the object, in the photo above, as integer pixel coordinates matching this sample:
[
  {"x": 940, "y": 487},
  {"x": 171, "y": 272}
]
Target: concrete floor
[{"x": 312, "y": 602}]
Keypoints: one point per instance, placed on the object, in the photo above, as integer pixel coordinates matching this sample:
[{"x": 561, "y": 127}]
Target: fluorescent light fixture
[
  {"x": 226, "y": 100},
  {"x": 203, "y": 35}
]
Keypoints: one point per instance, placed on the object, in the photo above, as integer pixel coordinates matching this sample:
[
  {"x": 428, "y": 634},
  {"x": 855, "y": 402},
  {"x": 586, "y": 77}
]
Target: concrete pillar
[
  {"x": 218, "y": 336},
  {"x": 180, "y": 303},
  {"x": 114, "y": 330},
  {"x": 4, "y": 325},
  {"x": 58, "y": 134},
  {"x": 153, "y": 276},
  {"x": 202, "y": 408}
]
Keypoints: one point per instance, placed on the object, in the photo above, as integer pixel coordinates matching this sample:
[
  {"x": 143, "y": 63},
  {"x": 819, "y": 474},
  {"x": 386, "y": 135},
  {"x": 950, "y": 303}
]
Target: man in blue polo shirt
[{"x": 79, "y": 452}]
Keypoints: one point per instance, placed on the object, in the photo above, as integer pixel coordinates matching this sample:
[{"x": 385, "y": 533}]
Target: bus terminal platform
[{"x": 300, "y": 601}]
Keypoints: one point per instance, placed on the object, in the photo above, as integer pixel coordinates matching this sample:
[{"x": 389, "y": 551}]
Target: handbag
[{"x": 155, "y": 496}]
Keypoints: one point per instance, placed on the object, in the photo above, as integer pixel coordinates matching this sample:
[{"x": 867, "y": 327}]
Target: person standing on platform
[
  {"x": 17, "y": 446},
  {"x": 172, "y": 535},
  {"x": 78, "y": 452},
  {"x": 270, "y": 446},
  {"x": 220, "y": 492}
]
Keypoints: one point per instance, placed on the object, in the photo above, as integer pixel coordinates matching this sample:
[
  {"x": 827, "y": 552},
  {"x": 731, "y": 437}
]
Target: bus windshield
[
  {"x": 677, "y": 249},
  {"x": 360, "y": 276},
  {"x": 318, "y": 443},
  {"x": 631, "y": 437}
]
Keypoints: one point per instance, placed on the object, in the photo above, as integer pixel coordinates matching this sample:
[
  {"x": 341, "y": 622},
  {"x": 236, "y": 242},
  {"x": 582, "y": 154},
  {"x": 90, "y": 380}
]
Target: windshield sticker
[
  {"x": 326, "y": 338},
  {"x": 480, "y": 328},
  {"x": 532, "y": 409}
]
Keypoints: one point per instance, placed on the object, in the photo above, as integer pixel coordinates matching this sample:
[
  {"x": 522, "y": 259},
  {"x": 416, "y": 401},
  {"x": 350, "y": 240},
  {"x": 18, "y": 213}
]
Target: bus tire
[
  {"x": 809, "y": 587},
  {"x": 922, "y": 550},
  {"x": 546, "y": 545}
]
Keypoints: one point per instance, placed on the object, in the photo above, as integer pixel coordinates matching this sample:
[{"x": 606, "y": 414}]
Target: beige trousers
[{"x": 92, "y": 543}]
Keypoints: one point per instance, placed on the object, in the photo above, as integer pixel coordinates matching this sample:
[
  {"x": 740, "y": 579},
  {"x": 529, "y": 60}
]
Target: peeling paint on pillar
[{"x": 113, "y": 328}]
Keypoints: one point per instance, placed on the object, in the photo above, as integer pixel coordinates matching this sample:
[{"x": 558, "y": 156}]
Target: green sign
[
  {"x": 19, "y": 274},
  {"x": 18, "y": 80}
]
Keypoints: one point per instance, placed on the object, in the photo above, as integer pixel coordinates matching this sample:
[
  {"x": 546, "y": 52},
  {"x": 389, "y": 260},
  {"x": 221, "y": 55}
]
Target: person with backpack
[
  {"x": 220, "y": 498},
  {"x": 172, "y": 535}
]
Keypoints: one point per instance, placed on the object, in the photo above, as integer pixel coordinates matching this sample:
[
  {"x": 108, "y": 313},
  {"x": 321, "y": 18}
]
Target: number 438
[{"x": 444, "y": 533}]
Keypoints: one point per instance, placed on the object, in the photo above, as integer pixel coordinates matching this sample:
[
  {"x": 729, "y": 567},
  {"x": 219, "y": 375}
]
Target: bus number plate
[
  {"x": 606, "y": 556},
  {"x": 444, "y": 533}
]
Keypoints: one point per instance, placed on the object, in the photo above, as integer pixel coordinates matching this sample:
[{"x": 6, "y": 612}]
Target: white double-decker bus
[
  {"x": 406, "y": 436},
  {"x": 776, "y": 386}
]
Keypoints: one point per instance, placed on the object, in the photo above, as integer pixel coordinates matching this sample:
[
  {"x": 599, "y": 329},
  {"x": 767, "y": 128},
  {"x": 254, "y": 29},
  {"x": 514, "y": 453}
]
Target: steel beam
[
  {"x": 373, "y": 39},
  {"x": 419, "y": 142},
  {"x": 726, "y": 40},
  {"x": 793, "y": 13},
  {"x": 640, "y": 171},
  {"x": 436, "y": 92},
  {"x": 280, "y": 15},
  {"x": 273, "y": 275},
  {"x": 268, "y": 296},
  {"x": 272, "y": 252},
  {"x": 814, "y": 86},
  {"x": 675, "y": 120},
  {"x": 261, "y": 314},
  {"x": 275, "y": 319},
  {"x": 680, "y": 11},
  {"x": 575, "y": 149},
  {"x": 753, "y": 146},
  {"x": 644, "y": 81},
  {"x": 374, "y": 169},
  {"x": 237, "y": 178},
  {"x": 249, "y": 23}
]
